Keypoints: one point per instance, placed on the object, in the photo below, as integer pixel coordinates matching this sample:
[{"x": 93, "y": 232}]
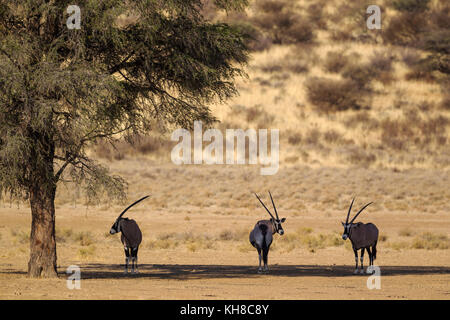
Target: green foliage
[{"x": 63, "y": 90}]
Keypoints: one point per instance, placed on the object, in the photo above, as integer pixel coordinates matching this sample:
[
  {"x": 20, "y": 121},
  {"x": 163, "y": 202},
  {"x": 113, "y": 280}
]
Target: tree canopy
[{"x": 131, "y": 64}]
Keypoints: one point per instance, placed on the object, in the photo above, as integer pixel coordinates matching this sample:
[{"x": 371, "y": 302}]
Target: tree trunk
[
  {"x": 42, "y": 239},
  {"x": 42, "y": 261}
]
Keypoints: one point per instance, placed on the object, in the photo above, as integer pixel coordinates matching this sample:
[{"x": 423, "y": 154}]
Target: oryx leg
[
  {"x": 260, "y": 257},
  {"x": 134, "y": 266},
  {"x": 369, "y": 268},
  {"x": 362, "y": 259},
  {"x": 356, "y": 260},
  {"x": 265, "y": 258},
  {"x": 127, "y": 258}
]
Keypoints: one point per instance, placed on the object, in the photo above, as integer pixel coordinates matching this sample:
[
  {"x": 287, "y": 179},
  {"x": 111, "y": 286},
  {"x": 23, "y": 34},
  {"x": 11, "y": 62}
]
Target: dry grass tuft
[{"x": 330, "y": 95}]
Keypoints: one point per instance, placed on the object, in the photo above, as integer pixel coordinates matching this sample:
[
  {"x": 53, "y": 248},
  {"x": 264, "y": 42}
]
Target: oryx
[
  {"x": 131, "y": 237},
  {"x": 363, "y": 236},
  {"x": 262, "y": 234}
]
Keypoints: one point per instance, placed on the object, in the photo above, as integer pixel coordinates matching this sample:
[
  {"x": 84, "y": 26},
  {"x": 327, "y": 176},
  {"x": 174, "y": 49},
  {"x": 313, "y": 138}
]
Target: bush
[
  {"x": 445, "y": 103},
  {"x": 406, "y": 29},
  {"x": 279, "y": 20},
  {"x": 295, "y": 138},
  {"x": 430, "y": 241},
  {"x": 330, "y": 95},
  {"x": 335, "y": 61},
  {"x": 84, "y": 238},
  {"x": 361, "y": 74},
  {"x": 410, "y": 5}
]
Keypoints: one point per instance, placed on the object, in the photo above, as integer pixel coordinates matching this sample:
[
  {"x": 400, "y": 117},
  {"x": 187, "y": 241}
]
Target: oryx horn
[
  {"x": 360, "y": 210},
  {"x": 132, "y": 205},
  {"x": 273, "y": 203},
  {"x": 264, "y": 206},
  {"x": 349, "y": 210}
]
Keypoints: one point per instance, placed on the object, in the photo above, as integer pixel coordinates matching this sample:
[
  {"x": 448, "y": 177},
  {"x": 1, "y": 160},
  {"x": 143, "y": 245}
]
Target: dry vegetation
[
  {"x": 359, "y": 112},
  {"x": 342, "y": 95}
]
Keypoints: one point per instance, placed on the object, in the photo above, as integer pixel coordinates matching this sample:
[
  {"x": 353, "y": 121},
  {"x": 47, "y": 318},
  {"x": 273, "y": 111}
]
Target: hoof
[
  {"x": 361, "y": 271},
  {"x": 260, "y": 270},
  {"x": 356, "y": 271}
]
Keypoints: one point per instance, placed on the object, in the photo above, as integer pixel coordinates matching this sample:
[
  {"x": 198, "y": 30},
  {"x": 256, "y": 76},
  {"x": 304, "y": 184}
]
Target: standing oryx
[
  {"x": 262, "y": 234},
  {"x": 363, "y": 236},
  {"x": 131, "y": 237}
]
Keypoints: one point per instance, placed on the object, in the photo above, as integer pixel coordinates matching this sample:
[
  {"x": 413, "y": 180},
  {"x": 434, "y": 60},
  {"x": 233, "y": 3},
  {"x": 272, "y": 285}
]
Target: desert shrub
[
  {"x": 300, "y": 31},
  {"x": 421, "y": 71},
  {"x": 136, "y": 145},
  {"x": 332, "y": 136},
  {"x": 406, "y": 232},
  {"x": 290, "y": 63},
  {"x": 410, "y": 5},
  {"x": 360, "y": 73},
  {"x": 439, "y": 17},
  {"x": 381, "y": 61},
  {"x": 410, "y": 57},
  {"x": 162, "y": 244},
  {"x": 260, "y": 116},
  {"x": 445, "y": 102},
  {"x": 335, "y": 61},
  {"x": 330, "y": 95},
  {"x": 256, "y": 40},
  {"x": 438, "y": 44},
  {"x": 20, "y": 236},
  {"x": 295, "y": 64},
  {"x": 395, "y": 134},
  {"x": 399, "y": 134},
  {"x": 295, "y": 138},
  {"x": 429, "y": 241},
  {"x": 280, "y": 21},
  {"x": 361, "y": 157},
  {"x": 313, "y": 136},
  {"x": 232, "y": 235},
  {"x": 363, "y": 119},
  {"x": 350, "y": 22},
  {"x": 304, "y": 237},
  {"x": 316, "y": 15},
  {"x": 398, "y": 245},
  {"x": 84, "y": 238},
  {"x": 85, "y": 253},
  {"x": 405, "y": 28},
  {"x": 63, "y": 235}
]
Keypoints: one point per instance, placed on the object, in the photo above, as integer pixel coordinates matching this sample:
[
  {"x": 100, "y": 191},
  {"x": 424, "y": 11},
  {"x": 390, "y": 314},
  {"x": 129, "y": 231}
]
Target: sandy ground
[{"x": 211, "y": 267}]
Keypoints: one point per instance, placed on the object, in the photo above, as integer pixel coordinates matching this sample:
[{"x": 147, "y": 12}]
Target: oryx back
[
  {"x": 363, "y": 235},
  {"x": 131, "y": 234}
]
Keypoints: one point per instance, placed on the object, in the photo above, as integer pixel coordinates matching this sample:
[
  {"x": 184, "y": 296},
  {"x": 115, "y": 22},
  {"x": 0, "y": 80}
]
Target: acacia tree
[{"x": 61, "y": 90}]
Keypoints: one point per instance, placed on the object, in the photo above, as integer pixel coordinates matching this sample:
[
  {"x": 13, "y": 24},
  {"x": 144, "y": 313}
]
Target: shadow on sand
[{"x": 190, "y": 272}]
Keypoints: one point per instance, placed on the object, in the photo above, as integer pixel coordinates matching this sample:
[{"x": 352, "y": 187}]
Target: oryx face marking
[
  {"x": 346, "y": 230},
  {"x": 277, "y": 224},
  {"x": 115, "y": 227}
]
